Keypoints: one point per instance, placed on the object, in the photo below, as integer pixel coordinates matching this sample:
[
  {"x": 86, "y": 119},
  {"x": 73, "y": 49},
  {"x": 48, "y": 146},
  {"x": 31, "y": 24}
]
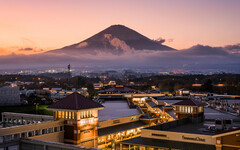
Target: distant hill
[
  {"x": 116, "y": 39},
  {"x": 201, "y": 50}
]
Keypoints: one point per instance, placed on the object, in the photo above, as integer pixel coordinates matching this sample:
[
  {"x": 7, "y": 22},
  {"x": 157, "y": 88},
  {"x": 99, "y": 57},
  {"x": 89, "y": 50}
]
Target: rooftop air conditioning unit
[
  {"x": 219, "y": 125},
  {"x": 228, "y": 124}
]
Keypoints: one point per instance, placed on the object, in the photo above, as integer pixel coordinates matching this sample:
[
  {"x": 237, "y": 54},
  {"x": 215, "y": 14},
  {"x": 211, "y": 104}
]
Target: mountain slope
[
  {"x": 116, "y": 39},
  {"x": 201, "y": 50}
]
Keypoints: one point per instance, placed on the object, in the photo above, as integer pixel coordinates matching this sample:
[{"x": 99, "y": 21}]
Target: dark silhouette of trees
[{"x": 207, "y": 86}]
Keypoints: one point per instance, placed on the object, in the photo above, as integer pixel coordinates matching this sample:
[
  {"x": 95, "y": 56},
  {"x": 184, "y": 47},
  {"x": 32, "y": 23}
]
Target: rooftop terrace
[{"x": 116, "y": 109}]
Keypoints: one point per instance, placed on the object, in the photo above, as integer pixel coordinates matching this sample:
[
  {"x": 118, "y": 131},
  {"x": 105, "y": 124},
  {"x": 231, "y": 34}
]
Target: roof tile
[{"x": 75, "y": 101}]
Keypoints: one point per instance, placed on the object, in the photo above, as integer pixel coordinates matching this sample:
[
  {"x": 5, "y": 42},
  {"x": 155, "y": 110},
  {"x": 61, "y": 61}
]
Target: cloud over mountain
[
  {"x": 233, "y": 48},
  {"x": 201, "y": 50},
  {"x": 119, "y": 45}
]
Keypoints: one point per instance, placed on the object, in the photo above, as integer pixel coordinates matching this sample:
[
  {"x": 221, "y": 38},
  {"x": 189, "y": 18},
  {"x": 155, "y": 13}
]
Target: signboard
[{"x": 193, "y": 139}]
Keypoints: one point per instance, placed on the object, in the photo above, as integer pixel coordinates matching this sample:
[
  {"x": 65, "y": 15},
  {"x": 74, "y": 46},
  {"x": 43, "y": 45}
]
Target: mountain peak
[
  {"x": 117, "y": 26},
  {"x": 116, "y": 39}
]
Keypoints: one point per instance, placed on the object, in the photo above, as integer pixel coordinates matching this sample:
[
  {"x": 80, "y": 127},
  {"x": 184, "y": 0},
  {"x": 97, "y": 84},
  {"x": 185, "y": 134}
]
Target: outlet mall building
[
  {"x": 78, "y": 121},
  {"x": 190, "y": 131}
]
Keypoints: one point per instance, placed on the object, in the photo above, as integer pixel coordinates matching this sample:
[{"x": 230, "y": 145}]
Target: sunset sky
[{"x": 33, "y": 26}]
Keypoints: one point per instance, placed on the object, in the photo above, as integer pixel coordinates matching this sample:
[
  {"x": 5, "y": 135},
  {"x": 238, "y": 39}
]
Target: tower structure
[
  {"x": 69, "y": 72},
  {"x": 80, "y": 116},
  {"x": 189, "y": 108}
]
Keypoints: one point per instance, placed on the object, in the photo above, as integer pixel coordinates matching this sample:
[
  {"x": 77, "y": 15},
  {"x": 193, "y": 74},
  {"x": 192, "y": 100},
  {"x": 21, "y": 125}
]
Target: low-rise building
[
  {"x": 76, "y": 120},
  {"x": 183, "y": 134},
  {"x": 183, "y": 92}
]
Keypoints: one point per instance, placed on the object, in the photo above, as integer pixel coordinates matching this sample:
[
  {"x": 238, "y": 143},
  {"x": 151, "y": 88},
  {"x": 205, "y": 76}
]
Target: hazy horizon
[{"x": 205, "y": 34}]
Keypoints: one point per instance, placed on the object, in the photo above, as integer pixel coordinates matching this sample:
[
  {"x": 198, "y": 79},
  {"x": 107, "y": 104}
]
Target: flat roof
[
  {"x": 121, "y": 127},
  {"x": 215, "y": 114},
  {"x": 198, "y": 128},
  {"x": 231, "y": 101},
  {"x": 170, "y": 102},
  {"x": 116, "y": 109},
  {"x": 167, "y": 144},
  {"x": 192, "y": 128}
]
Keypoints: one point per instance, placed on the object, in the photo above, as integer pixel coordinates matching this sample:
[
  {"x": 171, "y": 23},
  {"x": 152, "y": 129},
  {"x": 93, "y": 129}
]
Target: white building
[{"x": 9, "y": 96}]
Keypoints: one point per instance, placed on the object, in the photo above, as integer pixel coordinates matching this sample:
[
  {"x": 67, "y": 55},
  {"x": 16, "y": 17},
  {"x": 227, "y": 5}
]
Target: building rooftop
[
  {"x": 75, "y": 101},
  {"x": 116, "y": 109},
  {"x": 118, "y": 89},
  {"x": 185, "y": 126},
  {"x": 171, "y": 113},
  {"x": 170, "y": 102},
  {"x": 211, "y": 114},
  {"x": 183, "y": 89},
  {"x": 146, "y": 116},
  {"x": 152, "y": 104},
  {"x": 199, "y": 128},
  {"x": 189, "y": 102}
]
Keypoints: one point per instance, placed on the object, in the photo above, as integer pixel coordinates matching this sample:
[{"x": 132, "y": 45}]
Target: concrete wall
[
  {"x": 51, "y": 137},
  {"x": 44, "y": 145},
  {"x": 52, "y": 131}
]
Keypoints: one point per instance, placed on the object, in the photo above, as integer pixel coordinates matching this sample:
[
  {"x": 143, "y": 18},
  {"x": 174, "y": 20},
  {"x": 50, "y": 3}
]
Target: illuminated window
[
  {"x": 66, "y": 116},
  {"x": 70, "y": 115},
  {"x": 62, "y": 114},
  {"x": 59, "y": 114},
  {"x": 200, "y": 109}
]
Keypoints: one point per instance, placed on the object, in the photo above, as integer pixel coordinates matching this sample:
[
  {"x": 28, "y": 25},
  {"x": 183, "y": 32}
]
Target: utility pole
[{"x": 69, "y": 72}]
